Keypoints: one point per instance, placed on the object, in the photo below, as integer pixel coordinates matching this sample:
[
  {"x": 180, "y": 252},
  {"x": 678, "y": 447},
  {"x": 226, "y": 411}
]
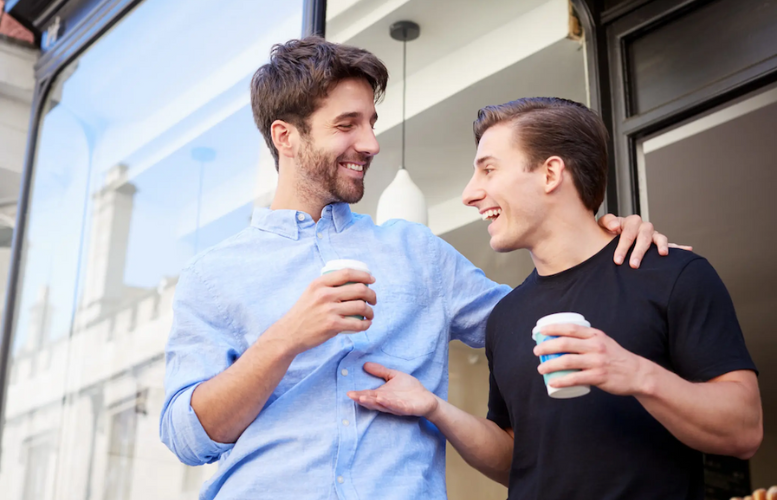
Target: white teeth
[
  {"x": 354, "y": 166},
  {"x": 491, "y": 214}
]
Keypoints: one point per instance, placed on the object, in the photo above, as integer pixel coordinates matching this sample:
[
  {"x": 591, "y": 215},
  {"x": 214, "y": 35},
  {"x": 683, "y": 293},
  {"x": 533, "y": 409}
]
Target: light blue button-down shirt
[{"x": 311, "y": 441}]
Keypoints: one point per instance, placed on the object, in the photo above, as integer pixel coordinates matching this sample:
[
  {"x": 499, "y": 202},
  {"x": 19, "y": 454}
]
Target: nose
[
  {"x": 368, "y": 143},
  {"x": 472, "y": 192}
]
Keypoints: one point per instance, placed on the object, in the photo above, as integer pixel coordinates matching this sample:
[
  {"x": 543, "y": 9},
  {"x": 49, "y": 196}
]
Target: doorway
[{"x": 710, "y": 182}]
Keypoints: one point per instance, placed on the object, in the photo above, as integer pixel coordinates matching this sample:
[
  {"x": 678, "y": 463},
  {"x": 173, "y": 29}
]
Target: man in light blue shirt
[{"x": 257, "y": 370}]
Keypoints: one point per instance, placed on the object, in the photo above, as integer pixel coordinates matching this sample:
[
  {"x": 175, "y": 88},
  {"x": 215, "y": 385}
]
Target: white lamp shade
[{"x": 402, "y": 199}]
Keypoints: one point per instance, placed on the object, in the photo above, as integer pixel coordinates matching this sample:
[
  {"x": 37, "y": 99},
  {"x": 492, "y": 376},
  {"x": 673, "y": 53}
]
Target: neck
[
  {"x": 568, "y": 237},
  {"x": 293, "y": 195}
]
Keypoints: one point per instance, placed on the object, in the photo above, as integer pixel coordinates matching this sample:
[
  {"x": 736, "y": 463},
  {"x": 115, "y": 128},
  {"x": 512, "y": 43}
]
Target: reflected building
[{"x": 105, "y": 413}]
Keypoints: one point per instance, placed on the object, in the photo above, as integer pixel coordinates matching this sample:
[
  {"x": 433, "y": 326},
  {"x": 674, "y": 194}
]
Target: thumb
[
  {"x": 610, "y": 222},
  {"x": 379, "y": 371}
]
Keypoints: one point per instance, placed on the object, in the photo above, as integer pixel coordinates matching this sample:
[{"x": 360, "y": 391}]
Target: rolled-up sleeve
[{"x": 202, "y": 344}]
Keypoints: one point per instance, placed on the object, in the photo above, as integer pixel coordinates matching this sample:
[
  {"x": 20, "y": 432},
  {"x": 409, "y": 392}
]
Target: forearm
[
  {"x": 481, "y": 443},
  {"x": 228, "y": 403},
  {"x": 721, "y": 416}
]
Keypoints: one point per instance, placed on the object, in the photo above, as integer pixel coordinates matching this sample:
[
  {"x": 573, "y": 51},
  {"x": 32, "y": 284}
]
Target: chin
[
  {"x": 350, "y": 193},
  {"x": 503, "y": 245},
  {"x": 498, "y": 246}
]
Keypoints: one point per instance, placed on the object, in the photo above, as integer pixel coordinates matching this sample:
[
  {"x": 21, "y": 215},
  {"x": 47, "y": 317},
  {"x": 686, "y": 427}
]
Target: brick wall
[{"x": 10, "y": 27}]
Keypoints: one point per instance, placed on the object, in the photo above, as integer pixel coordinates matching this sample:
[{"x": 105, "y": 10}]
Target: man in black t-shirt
[{"x": 670, "y": 374}]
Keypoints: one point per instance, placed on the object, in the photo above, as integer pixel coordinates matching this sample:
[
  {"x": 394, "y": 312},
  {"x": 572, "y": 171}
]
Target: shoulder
[
  {"x": 404, "y": 228},
  {"x": 399, "y": 233},
  {"x": 674, "y": 263},
  {"x": 517, "y": 296},
  {"x": 222, "y": 257}
]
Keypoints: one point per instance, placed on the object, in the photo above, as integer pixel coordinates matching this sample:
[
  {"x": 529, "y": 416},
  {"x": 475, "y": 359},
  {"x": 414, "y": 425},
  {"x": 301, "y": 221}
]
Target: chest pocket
[{"x": 409, "y": 327}]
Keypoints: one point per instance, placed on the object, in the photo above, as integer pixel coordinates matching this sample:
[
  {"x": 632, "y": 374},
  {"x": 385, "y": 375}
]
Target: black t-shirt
[{"x": 674, "y": 311}]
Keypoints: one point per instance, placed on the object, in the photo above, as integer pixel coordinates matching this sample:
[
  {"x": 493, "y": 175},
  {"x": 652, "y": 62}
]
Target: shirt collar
[
  {"x": 341, "y": 215},
  {"x": 287, "y": 222}
]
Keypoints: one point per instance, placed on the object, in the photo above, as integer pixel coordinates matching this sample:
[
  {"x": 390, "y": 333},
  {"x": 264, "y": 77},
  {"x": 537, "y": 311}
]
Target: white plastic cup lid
[
  {"x": 336, "y": 265},
  {"x": 558, "y": 319}
]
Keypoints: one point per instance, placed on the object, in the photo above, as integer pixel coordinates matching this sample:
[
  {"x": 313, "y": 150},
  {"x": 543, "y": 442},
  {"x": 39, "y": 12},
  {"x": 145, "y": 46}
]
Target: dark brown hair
[
  {"x": 551, "y": 126},
  {"x": 299, "y": 76}
]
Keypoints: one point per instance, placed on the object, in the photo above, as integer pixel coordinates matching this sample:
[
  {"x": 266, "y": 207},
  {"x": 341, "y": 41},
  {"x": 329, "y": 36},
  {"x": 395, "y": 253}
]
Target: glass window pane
[{"x": 147, "y": 154}]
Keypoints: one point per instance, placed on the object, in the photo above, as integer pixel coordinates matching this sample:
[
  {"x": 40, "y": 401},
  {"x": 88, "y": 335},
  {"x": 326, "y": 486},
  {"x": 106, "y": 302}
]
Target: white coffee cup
[
  {"x": 338, "y": 264},
  {"x": 539, "y": 338}
]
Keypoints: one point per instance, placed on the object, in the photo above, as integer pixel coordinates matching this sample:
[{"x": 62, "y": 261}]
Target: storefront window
[
  {"x": 468, "y": 55},
  {"x": 147, "y": 154}
]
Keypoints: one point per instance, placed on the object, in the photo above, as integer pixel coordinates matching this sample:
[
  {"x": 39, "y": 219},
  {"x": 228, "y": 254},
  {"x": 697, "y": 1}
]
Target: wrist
[
  {"x": 278, "y": 340},
  {"x": 646, "y": 382},
  {"x": 434, "y": 413}
]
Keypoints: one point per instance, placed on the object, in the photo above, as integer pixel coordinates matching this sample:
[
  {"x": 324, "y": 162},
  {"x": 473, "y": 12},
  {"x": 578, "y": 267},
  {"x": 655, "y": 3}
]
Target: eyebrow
[
  {"x": 354, "y": 114},
  {"x": 483, "y": 159}
]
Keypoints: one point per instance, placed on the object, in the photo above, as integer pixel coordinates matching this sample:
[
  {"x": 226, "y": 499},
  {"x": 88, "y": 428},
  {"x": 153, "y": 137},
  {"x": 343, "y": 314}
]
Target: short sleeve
[
  {"x": 469, "y": 295},
  {"x": 497, "y": 407},
  {"x": 705, "y": 339}
]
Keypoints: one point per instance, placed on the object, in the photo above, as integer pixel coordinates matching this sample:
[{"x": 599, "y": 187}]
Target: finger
[
  {"x": 644, "y": 240},
  {"x": 570, "y": 362},
  {"x": 371, "y": 404},
  {"x": 566, "y": 345},
  {"x": 662, "y": 242},
  {"x": 585, "y": 377},
  {"x": 355, "y": 291},
  {"x": 354, "y": 308},
  {"x": 352, "y": 325},
  {"x": 611, "y": 223},
  {"x": 629, "y": 232},
  {"x": 568, "y": 330},
  {"x": 381, "y": 404},
  {"x": 343, "y": 276},
  {"x": 683, "y": 247},
  {"x": 378, "y": 370},
  {"x": 355, "y": 395}
]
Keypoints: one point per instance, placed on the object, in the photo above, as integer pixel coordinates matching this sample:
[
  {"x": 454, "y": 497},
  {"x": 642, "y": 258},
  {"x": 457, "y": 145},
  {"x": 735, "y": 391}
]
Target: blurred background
[{"x": 127, "y": 145}]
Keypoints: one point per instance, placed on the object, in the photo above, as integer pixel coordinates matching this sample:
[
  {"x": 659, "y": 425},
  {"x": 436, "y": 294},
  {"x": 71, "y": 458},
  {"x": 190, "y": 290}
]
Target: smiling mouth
[
  {"x": 353, "y": 166},
  {"x": 491, "y": 214}
]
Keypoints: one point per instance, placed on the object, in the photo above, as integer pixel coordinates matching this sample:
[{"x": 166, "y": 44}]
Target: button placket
[
  {"x": 323, "y": 243},
  {"x": 348, "y": 437}
]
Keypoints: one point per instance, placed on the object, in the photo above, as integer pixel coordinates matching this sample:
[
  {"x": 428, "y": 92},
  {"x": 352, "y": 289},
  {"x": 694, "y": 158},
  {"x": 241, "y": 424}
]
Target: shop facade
[{"x": 142, "y": 152}]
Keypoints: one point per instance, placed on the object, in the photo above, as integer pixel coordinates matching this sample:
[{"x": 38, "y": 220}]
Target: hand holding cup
[{"x": 336, "y": 302}]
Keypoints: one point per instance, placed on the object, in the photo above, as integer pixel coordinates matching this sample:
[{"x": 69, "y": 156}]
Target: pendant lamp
[{"x": 402, "y": 199}]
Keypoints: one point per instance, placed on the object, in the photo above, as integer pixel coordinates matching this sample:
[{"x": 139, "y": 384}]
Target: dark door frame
[
  {"x": 84, "y": 22},
  {"x": 634, "y": 22}
]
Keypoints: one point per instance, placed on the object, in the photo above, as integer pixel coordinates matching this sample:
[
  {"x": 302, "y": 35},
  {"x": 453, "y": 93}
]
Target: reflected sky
[{"x": 169, "y": 78}]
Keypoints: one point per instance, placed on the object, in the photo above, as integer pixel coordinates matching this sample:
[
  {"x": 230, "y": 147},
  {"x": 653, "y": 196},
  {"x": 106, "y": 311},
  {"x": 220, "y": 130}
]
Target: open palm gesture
[{"x": 402, "y": 394}]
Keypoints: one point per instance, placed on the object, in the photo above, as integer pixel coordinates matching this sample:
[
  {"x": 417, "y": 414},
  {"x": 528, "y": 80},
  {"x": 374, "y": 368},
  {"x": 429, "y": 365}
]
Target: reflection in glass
[{"x": 147, "y": 154}]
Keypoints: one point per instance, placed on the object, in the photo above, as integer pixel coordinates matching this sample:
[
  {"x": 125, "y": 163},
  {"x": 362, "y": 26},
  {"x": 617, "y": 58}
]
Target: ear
[
  {"x": 284, "y": 137},
  {"x": 554, "y": 169}
]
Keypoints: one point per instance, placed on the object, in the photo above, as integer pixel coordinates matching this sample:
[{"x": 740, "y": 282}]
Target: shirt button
[
  {"x": 344, "y": 372},
  {"x": 345, "y": 423},
  {"x": 340, "y": 479},
  {"x": 300, "y": 217},
  {"x": 320, "y": 235}
]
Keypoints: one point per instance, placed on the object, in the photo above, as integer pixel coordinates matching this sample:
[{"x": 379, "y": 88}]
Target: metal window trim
[
  {"x": 629, "y": 127},
  {"x": 105, "y": 14}
]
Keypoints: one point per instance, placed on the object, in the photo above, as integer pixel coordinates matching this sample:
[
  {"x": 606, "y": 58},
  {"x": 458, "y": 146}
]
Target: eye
[{"x": 345, "y": 126}]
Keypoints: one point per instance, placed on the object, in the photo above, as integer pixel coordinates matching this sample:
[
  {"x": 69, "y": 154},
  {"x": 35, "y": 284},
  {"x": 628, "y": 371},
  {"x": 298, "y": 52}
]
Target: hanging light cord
[{"x": 404, "y": 92}]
